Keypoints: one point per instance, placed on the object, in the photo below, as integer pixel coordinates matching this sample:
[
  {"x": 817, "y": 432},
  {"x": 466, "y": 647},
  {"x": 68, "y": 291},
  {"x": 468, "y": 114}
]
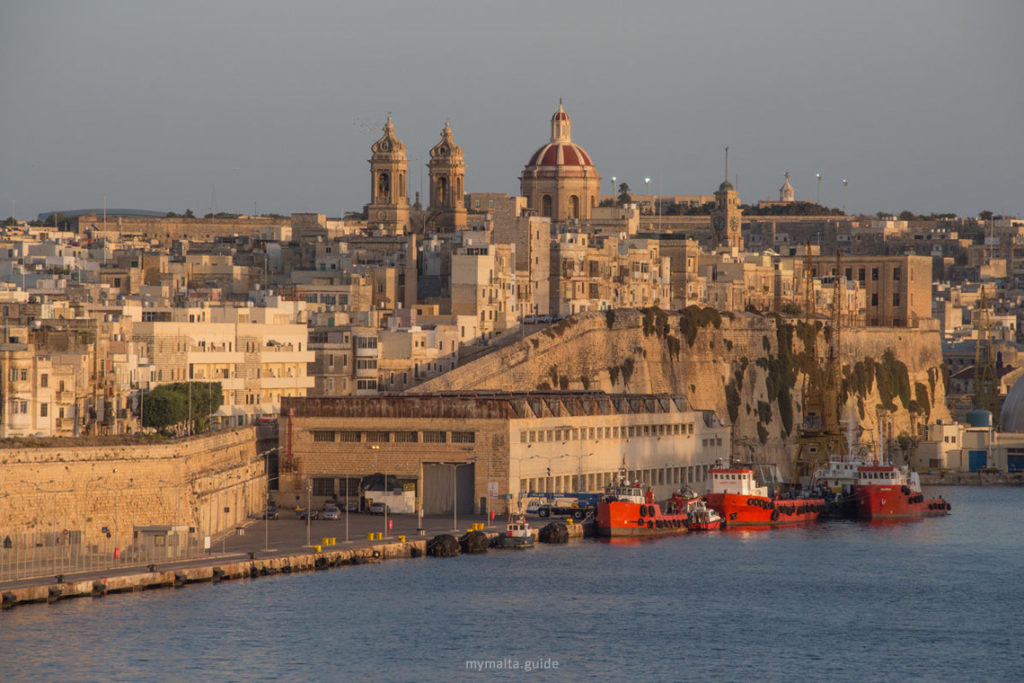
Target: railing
[{"x": 38, "y": 554}]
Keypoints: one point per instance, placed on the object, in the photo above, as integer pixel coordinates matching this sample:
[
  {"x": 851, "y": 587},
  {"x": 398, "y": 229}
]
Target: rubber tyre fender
[{"x": 775, "y": 515}]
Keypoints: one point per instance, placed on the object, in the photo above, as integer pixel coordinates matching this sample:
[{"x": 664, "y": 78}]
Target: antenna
[{"x": 727, "y": 163}]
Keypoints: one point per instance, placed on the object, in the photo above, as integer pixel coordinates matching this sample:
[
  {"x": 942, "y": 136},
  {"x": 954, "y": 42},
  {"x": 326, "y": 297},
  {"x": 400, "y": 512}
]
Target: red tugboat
[
  {"x": 735, "y": 495},
  {"x": 629, "y": 510},
  {"x": 889, "y": 492}
]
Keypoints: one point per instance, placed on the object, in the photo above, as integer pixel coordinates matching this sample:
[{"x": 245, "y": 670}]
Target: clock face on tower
[
  {"x": 734, "y": 222},
  {"x": 718, "y": 222}
]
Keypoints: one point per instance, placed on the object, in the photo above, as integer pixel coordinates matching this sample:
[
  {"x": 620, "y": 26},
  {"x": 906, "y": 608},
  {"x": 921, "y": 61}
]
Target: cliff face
[{"x": 752, "y": 370}]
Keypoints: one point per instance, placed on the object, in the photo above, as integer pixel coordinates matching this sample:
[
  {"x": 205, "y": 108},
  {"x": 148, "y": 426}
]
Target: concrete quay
[{"x": 245, "y": 557}]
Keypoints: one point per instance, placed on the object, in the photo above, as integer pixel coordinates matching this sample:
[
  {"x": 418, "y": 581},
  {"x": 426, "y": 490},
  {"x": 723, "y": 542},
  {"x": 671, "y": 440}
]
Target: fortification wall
[
  {"x": 175, "y": 228},
  {"x": 185, "y": 482},
  {"x": 743, "y": 367}
]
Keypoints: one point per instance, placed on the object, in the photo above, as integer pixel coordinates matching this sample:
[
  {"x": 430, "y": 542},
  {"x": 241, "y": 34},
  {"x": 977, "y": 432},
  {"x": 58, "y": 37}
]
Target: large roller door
[{"x": 438, "y": 493}]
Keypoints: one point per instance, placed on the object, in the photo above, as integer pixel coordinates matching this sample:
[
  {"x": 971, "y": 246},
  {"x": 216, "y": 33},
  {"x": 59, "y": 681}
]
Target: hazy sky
[{"x": 920, "y": 105}]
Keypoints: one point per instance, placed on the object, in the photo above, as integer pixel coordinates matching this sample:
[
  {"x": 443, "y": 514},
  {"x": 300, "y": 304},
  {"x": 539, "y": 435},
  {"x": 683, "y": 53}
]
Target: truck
[{"x": 575, "y": 505}]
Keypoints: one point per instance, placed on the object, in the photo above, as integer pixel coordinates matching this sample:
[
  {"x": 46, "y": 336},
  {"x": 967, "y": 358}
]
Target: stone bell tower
[
  {"x": 447, "y": 210},
  {"x": 389, "y": 203},
  {"x": 726, "y": 216}
]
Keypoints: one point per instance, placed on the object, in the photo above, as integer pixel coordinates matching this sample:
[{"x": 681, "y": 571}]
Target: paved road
[{"x": 284, "y": 536}]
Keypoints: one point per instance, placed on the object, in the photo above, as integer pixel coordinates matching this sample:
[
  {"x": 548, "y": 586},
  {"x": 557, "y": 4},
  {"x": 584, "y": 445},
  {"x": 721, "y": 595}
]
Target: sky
[{"x": 273, "y": 106}]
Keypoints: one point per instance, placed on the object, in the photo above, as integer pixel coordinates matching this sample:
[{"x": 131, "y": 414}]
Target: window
[
  {"x": 367, "y": 384},
  {"x": 874, "y": 299},
  {"x": 366, "y": 364},
  {"x": 896, "y": 299},
  {"x": 896, "y": 274},
  {"x": 44, "y": 409},
  {"x": 435, "y": 437},
  {"x": 24, "y": 374},
  {"x": 378, "y": 437},
  {"x": 366, "y": 342},
  {"x": 463, "y": 437},
  {"x": 323, "y": 486},
  {"x": 350, "y": 437},
  {"x": 860, "y": 274},
  {"x": 406, "y": 437},
  {"x": 44, "y": 380},
  {"x": 874, "y": 274}
]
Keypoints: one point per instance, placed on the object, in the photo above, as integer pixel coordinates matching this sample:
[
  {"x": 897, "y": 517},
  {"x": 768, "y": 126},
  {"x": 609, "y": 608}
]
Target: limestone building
[
  {"x": 447, "y": 211},
  {"x": 389, "y": 207},
  {"x": 480, "y": 450},
  {"x": 560, "y": 181}
]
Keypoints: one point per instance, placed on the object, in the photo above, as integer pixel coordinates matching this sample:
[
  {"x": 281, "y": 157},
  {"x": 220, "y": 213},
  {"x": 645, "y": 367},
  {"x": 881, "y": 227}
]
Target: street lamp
[
  {"x": 648, "y": 182},
  {"x": 819, "y": 188},
  {"x": 309, "y": 505},
  {"x": 614, "y": 187},
  {"x": 845, "y": 183}
]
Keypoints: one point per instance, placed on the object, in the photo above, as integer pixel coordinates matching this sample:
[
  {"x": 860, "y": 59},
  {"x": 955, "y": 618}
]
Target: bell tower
[
  {"x": 447, "y": 210},
  {"x": 389, "y": 203},
  {"x": 726, "y": 216}
]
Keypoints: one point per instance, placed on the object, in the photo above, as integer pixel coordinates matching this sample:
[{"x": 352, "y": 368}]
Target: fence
[{"x": 47, "y": 553}]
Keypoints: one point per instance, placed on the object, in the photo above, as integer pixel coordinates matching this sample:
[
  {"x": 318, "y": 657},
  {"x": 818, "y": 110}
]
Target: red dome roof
[{"x": 560, "y": 154}]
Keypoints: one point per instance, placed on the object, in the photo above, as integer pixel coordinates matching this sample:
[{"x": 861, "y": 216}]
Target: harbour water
[{"x": 924, "y": 600}]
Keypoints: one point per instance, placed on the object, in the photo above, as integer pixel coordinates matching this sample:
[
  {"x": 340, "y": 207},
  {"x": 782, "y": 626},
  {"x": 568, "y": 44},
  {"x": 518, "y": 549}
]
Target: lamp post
[
  {"x": 845, "y": 183},
  {"x": 648, "y": 183},
  {"x": 266, "y": 500},
  {"x": 346, "y": 508},
  {"x": 819, "y": 188},
  {"x": 614, "y": 188},
  {"x": 309, "y": 504}
]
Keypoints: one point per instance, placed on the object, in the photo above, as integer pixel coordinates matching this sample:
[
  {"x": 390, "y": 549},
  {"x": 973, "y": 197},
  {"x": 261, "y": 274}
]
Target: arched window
[
  {"x": 574, "y": 207},
  {"x": 546, "y": 206},
  {"x": 442, "y": 191},
  {"x": 383, "y": 187}
]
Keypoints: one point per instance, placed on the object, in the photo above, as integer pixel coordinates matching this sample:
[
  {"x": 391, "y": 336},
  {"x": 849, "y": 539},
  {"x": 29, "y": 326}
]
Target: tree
[
  {"x": 163, "y": 407},
  {"x": 985, "y": 215},
  {"x": 188, "y": 214},
  {"x": 168, "y": 405},
  {"x": 907, "y": 216},
  {"x": 624, "y": 196},
  {"x": 608, "y": 202}
]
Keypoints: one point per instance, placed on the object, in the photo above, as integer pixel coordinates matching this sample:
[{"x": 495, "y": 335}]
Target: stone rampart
[
  {"x": 73, "y": 493},
  {"x": 745, "y": 367}
]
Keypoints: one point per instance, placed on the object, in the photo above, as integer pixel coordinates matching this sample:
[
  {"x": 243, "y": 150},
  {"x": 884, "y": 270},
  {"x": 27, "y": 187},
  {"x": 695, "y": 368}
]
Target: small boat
[
  {"x": 703, "y": 518},
  {"x": 518, "y": 534}
]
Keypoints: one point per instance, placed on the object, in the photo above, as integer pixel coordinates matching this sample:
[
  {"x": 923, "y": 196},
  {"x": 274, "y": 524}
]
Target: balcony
[
  {"x": 302, "y": 382},
  {"x": 270, "y": 355},
  {"x": 200, "y": 357}
]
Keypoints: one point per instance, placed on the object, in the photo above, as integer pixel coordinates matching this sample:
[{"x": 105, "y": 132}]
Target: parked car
[
  {"x": 330, "y": 513},
  {"x": 301, "y": 513},
  {"x": 378, "y": 509},
  {"x": 272, "y": 512}
]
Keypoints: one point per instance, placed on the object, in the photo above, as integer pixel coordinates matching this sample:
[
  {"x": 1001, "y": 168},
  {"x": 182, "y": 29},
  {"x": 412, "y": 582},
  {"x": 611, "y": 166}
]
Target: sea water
[{"x": 924, "y": 600}]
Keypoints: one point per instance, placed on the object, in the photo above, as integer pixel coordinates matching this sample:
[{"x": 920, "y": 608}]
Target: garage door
[{"x": 438, "y": 492}]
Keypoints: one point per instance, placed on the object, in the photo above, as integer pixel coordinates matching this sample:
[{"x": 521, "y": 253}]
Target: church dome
[
  {"x": 725, "y": 186},
  {"x": 1011, "y": 417},
  {"x": 560, "y": 155}
]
